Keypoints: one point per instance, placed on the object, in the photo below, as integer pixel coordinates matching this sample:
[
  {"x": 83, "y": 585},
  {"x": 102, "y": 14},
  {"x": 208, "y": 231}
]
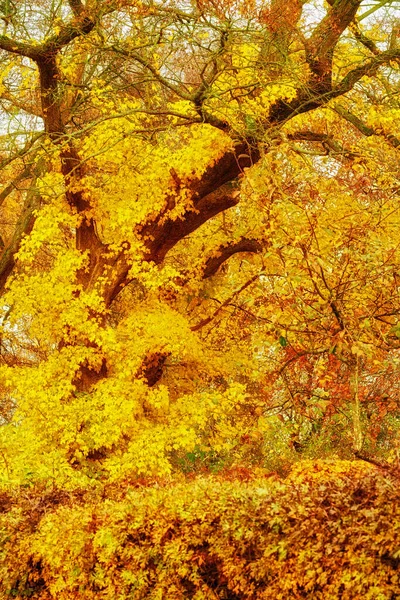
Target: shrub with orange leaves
[{"x": 330, "y": 530}]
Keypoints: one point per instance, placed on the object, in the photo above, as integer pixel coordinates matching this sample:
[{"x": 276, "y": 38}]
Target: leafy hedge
[{"x": 330, "y": 530}]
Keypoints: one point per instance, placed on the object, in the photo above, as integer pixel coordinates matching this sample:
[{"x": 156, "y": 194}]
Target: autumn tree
[{"x": 165, "y": 166}]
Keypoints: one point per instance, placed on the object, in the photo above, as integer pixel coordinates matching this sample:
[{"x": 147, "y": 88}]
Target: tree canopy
[{"x": 199, "y": 238}]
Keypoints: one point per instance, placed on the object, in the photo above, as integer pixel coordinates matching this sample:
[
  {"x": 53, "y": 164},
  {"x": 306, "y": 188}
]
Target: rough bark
[{"x": 321, "y": 46}]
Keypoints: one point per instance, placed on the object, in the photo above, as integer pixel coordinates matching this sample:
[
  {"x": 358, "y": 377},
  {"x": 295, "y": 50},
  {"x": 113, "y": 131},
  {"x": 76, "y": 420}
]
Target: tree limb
[
  {"x": 166, "y": 235},
  {"x": 5, "y": 192},
  {"x": 22, "y": 228},
  {"x": 327, "y": 141},
  {"x": 22, "y": 151},
  {"x": 321, "y": 45},
  {"x": 311, "y": 99},
  {"x": 363, "y": 39},
  {"x": 77, "y": 27},
  {"x": 19, "y": 48},
  {"x": 365, "y": 129},
  {"x": 226, "y": 251},
  {"x": 76, "y": 7},
  {"x": 359, "y": 35},
  {"x": 368, "y": 68}
]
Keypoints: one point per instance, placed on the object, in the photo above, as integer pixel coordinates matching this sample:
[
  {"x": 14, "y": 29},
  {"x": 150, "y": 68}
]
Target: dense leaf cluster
[{"x": 329, "y": 530}]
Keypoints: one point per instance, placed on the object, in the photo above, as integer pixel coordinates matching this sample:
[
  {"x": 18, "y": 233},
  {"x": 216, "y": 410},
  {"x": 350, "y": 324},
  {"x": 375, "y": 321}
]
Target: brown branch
[
  {"x": 363, "y": 39},
  {"x": 359, "y": 35},
  {"x": 24, "y": 150},
  {"x": 69, "y": 32},
  {"x": 86, "y": 236},
  {"x": 321, "y": 45},
  {"x": 327, "y": 141},
  {"x": 152, "y": 367},
  {"x": 210, "y": 197},
  {"x": 365, "y": 129},
  {"x": 22, "y": 228},
  {"x": 71, "y": 168},
  {"x": 354, "y": 120},
  {"x": 166, "y": 235},
  {"x": 77, "y": 27},
  {"x": 313, "y": 98},
  {"x": 49, "y": 78},
  {"x": 337, "y": 314},
  {"x": 216, "y": 191},
  {"x": 25, "y": 174},
  {"x": 160, "y": 237},
  {"x": 226, "y": 251},
  {"x": 225, "y": 169},
  {"x": 19, "y": 48},
  {"x": 368, "y": 68},
  {"x": 298, "y": 355},
  {"x": 76, "y": 7}
]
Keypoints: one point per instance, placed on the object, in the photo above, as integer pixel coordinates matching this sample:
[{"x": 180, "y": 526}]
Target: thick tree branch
[
  {"x": 86, "y": 236},
  {"x": 166, "y": 235},
  {"x": 365, "y": 129},
  {"x": 309, "y": 100},
  {"x": 49, "y": 79},
  {"x": 216, "y": 191},
  {"x": 69, "y": 32},
  {"x": 226, "y": 251},
  {"x": 76, "y": 7},
  {"x": 359, "y": 35},
  {"x": 19, "y": 48},
  {"x": 77, "y": 27},
  {"x": 227, "y": 168},
  {"x": 368, "y": 68},
  {"x": 363, "y": 39},
  {"x": 120, "y": 266},
  {"x": 354, "y": 120},
  {"x": 71, "y": 168},
  {"x": 321, "y": 45}
]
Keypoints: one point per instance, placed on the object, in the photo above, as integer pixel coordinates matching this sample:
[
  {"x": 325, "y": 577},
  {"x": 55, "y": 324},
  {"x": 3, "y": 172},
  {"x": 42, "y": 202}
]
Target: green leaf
[{"x": 283, "y": 341}]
